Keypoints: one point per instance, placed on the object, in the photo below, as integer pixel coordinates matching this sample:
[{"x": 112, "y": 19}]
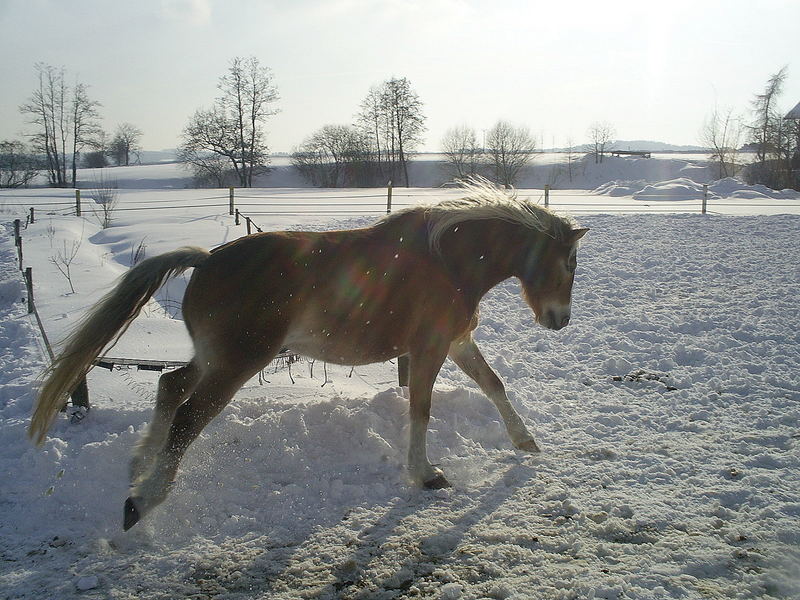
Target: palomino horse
[{"x": 408, "y": 285}]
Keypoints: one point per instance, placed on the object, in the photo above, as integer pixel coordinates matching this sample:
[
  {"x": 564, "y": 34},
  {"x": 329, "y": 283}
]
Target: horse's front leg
[
  {"x": 468, "y": 357},
  {"x": 424, "y": 367}
]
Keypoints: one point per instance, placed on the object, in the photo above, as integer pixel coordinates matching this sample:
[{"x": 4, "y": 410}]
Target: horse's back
[{"x": 350, "y": 296}]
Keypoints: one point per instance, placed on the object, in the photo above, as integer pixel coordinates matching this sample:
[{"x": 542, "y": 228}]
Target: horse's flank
[{"x": 360, "y": 296}]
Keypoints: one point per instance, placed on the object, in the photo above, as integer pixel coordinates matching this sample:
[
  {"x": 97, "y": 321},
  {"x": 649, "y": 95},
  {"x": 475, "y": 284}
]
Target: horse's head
[{"x": 547, "y": 273}]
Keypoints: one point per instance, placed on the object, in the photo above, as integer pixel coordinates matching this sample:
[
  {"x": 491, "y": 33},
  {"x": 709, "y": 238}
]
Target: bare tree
[
  {"x": 372, "y": 120},
  {"x": 774, "y": 137},
  {"x": 18, "y": 167},
  {"x": 722, "y": 133},
  {"x": 209, "y": 169},
  {"x": 85, "y": 121},
  {"x": 462, "y": 152},
  {"x": 209, "y": 142},
  {"x": 392, "y": 114},
  {"x": 233, "y": 127},
  {"x": 126, "y": 142},
  {"x": 63, "y": 258},
  {"x": 765, "y": 112},
  {"x": 105, "y": 194},
  {"x": 66, "y": 119},
  {"x": 47, "y": 110},
  {"x": 407, "y": 123},
  {"x": 247, "y": 93},
  {"x": 334, "y": 156},
  {"x": 601, "y": 134},
  {"x": 508, "y": 148},
  {"x": 570, "y": 157}
]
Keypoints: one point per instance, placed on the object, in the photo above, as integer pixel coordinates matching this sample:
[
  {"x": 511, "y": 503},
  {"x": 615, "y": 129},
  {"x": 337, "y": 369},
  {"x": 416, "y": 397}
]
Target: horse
[{"x": 407, "y": 286}]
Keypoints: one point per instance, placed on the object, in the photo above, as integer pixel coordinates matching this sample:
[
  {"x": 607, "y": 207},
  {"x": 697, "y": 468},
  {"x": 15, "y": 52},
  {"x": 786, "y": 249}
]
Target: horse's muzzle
[{"x": 555, "y": 320}]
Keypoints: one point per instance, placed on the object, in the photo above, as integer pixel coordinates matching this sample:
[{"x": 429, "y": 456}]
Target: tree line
[
  {"x": 66, "y": 134},
  {"x": 773, "y": 138},
  {"x": 373, "y": 150},
  {"x": 225, "y": 143}
]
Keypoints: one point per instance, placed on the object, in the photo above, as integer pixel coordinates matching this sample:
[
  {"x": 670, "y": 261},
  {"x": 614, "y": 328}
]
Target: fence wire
[{"x": 329, "y": 205}]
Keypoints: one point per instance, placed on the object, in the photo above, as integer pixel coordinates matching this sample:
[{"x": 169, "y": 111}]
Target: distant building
[{"x": 794, "y": 115}]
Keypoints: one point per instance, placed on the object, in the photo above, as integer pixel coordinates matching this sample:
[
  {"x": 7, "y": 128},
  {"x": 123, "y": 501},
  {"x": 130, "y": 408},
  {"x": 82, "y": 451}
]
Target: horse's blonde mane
[{"x": 485, "y": 201}]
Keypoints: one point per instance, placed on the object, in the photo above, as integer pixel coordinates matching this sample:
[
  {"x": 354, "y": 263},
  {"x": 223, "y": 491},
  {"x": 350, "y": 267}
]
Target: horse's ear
[{"x": 577, "y": 234}]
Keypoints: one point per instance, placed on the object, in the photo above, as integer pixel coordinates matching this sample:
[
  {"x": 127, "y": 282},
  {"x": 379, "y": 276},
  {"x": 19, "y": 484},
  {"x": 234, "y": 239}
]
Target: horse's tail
[{"x": 105, "y": 322}]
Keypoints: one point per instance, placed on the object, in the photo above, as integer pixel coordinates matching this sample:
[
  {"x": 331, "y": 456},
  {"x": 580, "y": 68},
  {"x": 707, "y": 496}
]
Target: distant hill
[
  {"x": 649, "y": 146},
  {"x": 643, "y": 145},
  {"x": 152, "y": 157}
]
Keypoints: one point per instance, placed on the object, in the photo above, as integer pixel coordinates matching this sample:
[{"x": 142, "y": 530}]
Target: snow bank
[
  {"x": 684, "y": 188},
  {"x": 674, "y": 189},
  {"x": 733, "y": 188}
]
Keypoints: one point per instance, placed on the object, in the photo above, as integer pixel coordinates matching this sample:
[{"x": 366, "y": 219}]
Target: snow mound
[
  {"x": 687, "y": 188},
  {"x": 620, "y": 188},
  {"x": 730, "y": 187},
  {"x": 671, "y": 190}
]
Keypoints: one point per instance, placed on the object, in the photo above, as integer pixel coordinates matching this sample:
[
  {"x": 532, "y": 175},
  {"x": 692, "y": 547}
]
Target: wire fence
[
  {"x": 241, "y": 202},
  {"x": 80, "y": 396}
]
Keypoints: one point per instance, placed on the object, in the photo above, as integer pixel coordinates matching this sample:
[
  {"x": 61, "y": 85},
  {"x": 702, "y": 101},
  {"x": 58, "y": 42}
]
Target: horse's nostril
[{"x": 565, "y": 321}]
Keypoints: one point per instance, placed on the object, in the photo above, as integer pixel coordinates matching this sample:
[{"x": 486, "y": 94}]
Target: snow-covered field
[{"x": 668, "y": 413}]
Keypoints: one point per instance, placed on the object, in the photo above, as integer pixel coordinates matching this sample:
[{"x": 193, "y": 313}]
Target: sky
[{"x": 653, "y": 70}]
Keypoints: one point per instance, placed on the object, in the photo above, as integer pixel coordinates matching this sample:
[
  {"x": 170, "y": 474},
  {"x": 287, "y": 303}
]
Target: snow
[
  {"x": 667, "y": 412},
  {"x": 684, "y": 188}
]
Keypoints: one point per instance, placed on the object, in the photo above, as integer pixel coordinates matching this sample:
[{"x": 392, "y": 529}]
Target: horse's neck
[{"x": 480, "y": 254}]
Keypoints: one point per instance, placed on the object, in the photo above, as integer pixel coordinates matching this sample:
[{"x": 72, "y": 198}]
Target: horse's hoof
[
  {"x": 436, "y": 482},
  {"x": 131, "y": 516},
  {"x": 528, "y": 446}
]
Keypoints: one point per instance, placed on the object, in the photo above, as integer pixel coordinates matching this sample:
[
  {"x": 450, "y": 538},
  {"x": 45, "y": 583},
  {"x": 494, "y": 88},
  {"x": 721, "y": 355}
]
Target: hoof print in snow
[
  {"x": 641, "y": 375},
  {"x": 601, "y": 454},
  {"x": 84, "y": 584},
  {"x": 732, "y": 473}
]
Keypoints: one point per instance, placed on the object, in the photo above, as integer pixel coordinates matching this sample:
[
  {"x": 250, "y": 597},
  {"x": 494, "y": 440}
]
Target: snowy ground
[{"x": 667, "y": 411}]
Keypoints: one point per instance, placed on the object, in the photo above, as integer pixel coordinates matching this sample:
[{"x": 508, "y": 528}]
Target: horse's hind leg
[
  {"x": 468, "y": 357},
  {"x": 173, "y": 389},
  {"x": 212, "y": 393}
]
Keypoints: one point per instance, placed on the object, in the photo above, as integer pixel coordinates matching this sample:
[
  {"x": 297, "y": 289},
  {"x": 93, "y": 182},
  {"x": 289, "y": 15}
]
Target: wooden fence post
[
  {"x": 402, "y": 370},
  {"x": 705, "y": 198},
  {"x": 16, "y": 232},
  {"x": 247, "y": 221},
  {"x": 236, "y": 222},
  {"x": 546, "y": 195},
  {"x": 78, "y": 203},
  {"x": 29, "y": 286},
  {"x": 389, "y": 198},
  {"x": 19, "y": 252},
  {"x": 230, "y": 199},
  {"x": 32, "y": 216},
  {"x": 80, "y": 395}
]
